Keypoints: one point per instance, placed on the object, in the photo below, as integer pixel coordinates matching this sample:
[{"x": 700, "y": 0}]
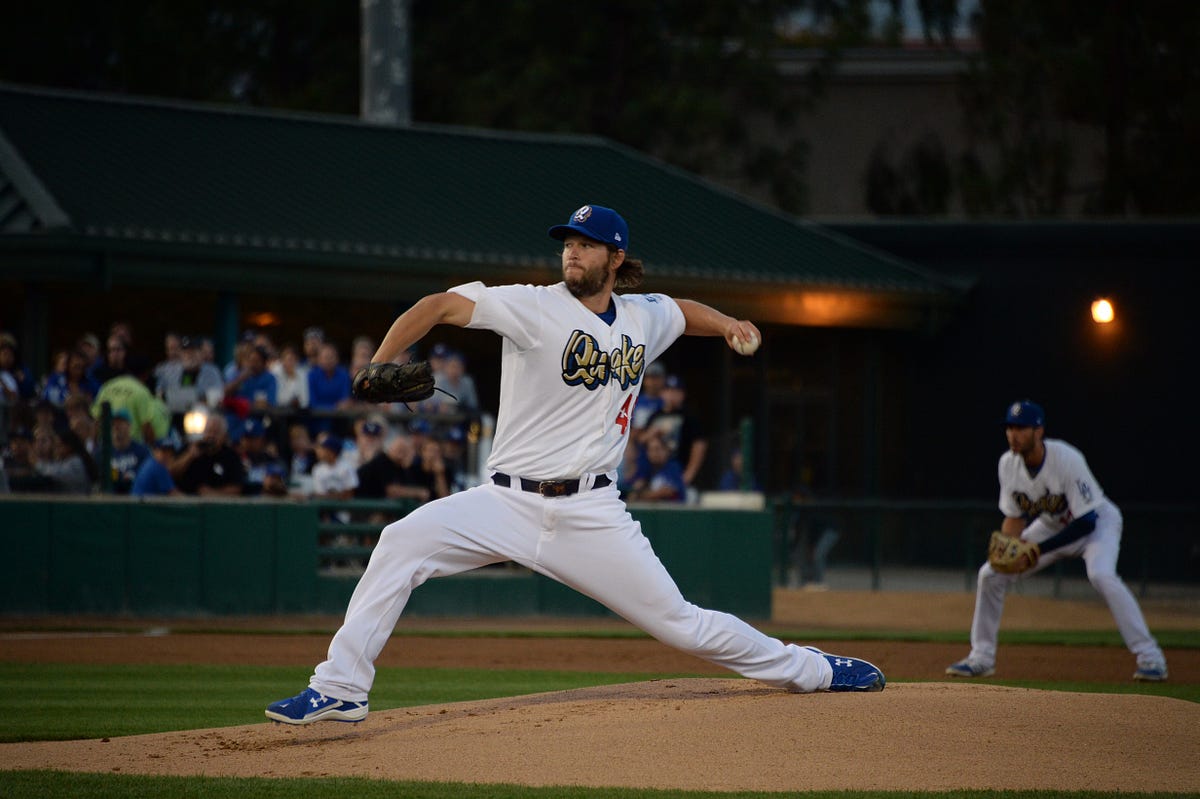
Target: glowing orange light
[
  {"x": 263, "y": 319},
  {"x": 1102, "y": 312},
  {"x": 826, "y": 308}
]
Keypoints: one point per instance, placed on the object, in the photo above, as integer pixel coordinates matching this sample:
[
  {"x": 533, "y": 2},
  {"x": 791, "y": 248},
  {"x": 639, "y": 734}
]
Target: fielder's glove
[
  {"x": 1010, "y": 555},
  {"x": 393, "y": 382}
]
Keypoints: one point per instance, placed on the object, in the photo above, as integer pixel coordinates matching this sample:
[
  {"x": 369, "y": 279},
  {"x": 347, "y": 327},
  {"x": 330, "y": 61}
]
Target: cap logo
[
  {"x": 1015, "y": 410},
  {"x": 582, "y": 214}
]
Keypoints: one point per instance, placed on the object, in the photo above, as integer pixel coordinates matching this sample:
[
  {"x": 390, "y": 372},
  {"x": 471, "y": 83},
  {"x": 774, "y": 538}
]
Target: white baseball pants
[
  {"x": 587, "y": 541},
  {"x": 1099, "y": 550}
]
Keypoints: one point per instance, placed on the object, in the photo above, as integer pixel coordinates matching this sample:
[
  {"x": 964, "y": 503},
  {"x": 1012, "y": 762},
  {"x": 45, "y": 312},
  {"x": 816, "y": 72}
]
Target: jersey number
[{"x": 623, "y": 416}]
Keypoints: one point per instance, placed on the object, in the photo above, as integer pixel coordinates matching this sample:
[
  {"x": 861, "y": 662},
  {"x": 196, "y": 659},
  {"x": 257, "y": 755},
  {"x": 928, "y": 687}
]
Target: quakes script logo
[
  {"x": 584, "y": 363},
  {"x": 1049, "y": 504}
]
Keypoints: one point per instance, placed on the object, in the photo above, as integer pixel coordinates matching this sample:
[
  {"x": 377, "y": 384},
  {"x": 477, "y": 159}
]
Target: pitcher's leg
[
  {"x": 618, "y": 568},
  {"x": 727, "y": 641},
  {"x": 429, "y": 542}
]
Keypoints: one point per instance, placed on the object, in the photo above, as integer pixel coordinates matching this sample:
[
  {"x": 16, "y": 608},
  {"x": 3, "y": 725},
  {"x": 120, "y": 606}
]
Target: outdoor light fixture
[{"x": 1102, "y": 311}]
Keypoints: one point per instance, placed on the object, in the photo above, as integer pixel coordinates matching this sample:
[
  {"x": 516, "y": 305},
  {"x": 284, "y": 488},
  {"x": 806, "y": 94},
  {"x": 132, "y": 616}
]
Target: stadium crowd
[
  {"x": 280, "y": 421},
  {"x": 276, "y": 421}
]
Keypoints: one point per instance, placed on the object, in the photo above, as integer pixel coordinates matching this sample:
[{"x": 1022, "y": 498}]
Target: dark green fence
[{"x": 190, "y": 557}]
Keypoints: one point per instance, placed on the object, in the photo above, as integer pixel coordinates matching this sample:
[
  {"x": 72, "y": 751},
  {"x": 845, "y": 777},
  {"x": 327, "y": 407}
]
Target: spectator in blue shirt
[
  {"x": 254, "y": 383},
  {"x": 72, "y": 380},
  {"x": 731, "y": 480},
  {"x": 328, "y": 386},
  {"x": 661, "y": 478},
  {"x": 154, "y": 476},
  {"x": 127, "y": 455}
]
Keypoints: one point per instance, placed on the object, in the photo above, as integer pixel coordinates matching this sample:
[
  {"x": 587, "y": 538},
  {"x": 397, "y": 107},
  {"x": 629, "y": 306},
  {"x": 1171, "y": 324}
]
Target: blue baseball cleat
[
  {"x": 852, "y": 674},
  {"x": 1153, "y": 673},
  {"x": 969, "y": 668},
  {"x": 309, "y": 706}
]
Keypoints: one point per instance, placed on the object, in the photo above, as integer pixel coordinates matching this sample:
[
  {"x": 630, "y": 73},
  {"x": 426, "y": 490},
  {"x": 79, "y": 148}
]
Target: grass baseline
[{"x": 20, "y": 784}]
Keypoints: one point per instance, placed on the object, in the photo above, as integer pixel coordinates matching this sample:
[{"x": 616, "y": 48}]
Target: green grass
[
  {"x": 71, "y": 701},
  {"x": 19, "y": 785},
  {"x": 68, "y": 701}
]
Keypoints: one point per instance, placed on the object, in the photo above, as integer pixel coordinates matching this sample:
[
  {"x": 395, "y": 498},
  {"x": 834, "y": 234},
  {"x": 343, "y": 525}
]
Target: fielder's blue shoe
[
  {"x": 1154, "y": 673},
  {"x": 852, "y": 674},
  {"x": 969, "y": 668},
  {"x": 309, "y": 706}
]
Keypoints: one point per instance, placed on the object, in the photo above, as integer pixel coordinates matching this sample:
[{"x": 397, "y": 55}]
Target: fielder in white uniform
[
  {"x": 573, "y": 358},
  {"x": 1049, "y": 496}
]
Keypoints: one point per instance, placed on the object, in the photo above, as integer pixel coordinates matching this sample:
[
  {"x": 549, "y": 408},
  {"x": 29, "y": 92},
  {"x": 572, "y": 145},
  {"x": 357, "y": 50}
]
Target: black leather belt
[{"x": 549, "y": 488}]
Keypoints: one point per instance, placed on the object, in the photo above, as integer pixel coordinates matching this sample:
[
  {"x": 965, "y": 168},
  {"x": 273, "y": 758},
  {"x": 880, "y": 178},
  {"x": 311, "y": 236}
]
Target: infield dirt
[{"x": 709, "y": 732}]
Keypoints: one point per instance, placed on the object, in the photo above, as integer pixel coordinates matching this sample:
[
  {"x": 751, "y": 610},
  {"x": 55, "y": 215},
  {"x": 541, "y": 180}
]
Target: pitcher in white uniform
[
  {"x": 573, "y": 358},
  {"x": 1049, "y": 496}
]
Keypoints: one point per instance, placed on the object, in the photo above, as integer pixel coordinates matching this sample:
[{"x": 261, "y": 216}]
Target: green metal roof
[{"x": 298, "y": 186}]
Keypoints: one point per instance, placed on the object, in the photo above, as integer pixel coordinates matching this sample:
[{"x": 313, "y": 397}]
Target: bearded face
[
  {"x": 587, "y": 266},
  {"x": 588, "y": 282}
]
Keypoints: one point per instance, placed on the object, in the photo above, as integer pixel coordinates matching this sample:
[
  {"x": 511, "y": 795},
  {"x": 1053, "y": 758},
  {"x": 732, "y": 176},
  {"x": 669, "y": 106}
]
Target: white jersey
[
  {"x": 569, "y": 380},
  {"x": 1062, "y": 490}
]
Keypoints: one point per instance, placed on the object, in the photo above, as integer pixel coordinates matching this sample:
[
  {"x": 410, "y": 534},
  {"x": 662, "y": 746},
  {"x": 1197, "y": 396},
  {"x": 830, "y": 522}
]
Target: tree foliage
[
  {"x": 695, "y": 84},
  {"x": 1083, "y": 106},
  {"x": 300, "y": 54},
  {"x": 1070, "y": 105}
]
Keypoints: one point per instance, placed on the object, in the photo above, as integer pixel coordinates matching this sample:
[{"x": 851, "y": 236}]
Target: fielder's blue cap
[
  {"x": 333, "y": 443},
  {"x": 596, "y": 222},
  {"x": 254, "y": 427},
  {"x": 1025, "y": 413}
]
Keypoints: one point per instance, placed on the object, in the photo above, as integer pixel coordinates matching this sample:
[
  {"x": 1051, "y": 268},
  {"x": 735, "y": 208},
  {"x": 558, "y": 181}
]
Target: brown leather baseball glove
[{"x": 1010, "y": 555}]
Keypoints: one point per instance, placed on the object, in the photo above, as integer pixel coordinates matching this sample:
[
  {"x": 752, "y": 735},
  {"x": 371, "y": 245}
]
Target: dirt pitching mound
[{"x": 703, "y": 734}]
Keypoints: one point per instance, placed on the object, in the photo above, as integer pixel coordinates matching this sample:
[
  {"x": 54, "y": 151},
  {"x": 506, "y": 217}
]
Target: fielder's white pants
[
  {"x": 587, "y": 541},
  {"x": 1099, "y": 550}
]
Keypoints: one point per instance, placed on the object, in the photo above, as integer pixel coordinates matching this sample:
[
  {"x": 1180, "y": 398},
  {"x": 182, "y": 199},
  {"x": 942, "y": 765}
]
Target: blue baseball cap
[
  {"x": 1025, "y": 413},
  {"x": 333, "y": 443},
  {"x": 596, "y": 222},
  {"x": 253, "y": 427}
]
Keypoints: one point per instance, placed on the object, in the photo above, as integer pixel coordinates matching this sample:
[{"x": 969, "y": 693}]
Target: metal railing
[
  {"x": 888, "y": 537},
  {"x": 347, "y": 530}
]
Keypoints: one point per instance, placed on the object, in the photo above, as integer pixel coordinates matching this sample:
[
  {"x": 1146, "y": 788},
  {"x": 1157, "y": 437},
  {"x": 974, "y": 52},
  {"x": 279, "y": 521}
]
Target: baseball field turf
[{"x": 536, "y": 712}]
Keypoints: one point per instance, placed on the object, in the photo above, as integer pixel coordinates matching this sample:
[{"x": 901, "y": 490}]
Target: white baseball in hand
[{"x": 745, "y": 347}]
